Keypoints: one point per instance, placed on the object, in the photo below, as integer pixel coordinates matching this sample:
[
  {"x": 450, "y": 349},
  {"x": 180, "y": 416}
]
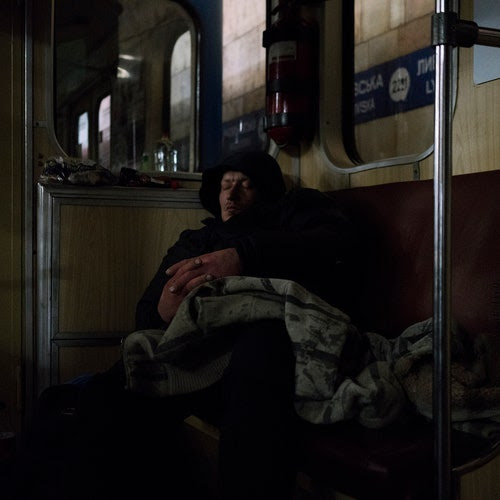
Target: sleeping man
[{"x": 131, "y": 440}]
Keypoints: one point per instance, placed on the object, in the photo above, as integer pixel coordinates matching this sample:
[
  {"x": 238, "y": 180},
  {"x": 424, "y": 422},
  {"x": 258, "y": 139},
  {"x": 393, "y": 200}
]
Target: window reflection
[
  {"x": 180, "y": 96},
  {"x": 104, "y": 127},
  {"x": 244, "y": 74},
  {"x": 393, "y": 78},
  {"x": 130, "y": 68},
  {"x": 83, "y": 135}
]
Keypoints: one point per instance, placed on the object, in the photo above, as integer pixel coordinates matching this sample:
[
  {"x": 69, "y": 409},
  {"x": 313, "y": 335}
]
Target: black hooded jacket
[{"x": 299, "y": 236}]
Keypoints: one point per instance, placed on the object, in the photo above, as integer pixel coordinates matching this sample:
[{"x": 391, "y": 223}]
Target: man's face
[{"x": 237, "y": 193}]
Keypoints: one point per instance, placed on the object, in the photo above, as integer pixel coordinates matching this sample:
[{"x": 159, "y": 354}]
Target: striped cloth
[
  {"x": 162, "y": 363},
  {"x": 340, "y": 373}
]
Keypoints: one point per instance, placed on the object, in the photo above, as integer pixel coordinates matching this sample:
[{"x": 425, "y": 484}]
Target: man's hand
[
  {"x": 169, "y": 303},
  {"x": 190, "y": 273},
  {"x": 187, "y": 274}
]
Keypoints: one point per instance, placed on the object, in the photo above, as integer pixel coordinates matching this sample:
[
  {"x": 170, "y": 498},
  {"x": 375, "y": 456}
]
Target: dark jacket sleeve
[
  {"x": 312, "y": 244},
  {"x": 189, "y": 244},
  {"x": 303, "y": 238}
]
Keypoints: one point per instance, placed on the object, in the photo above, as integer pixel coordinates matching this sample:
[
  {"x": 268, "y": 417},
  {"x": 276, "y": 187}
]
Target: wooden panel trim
[{"x": 50, "y": 199}]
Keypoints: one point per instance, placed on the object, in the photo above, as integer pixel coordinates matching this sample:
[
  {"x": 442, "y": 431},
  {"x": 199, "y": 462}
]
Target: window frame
[
  {"x": 207, "y": 43},
  {"x": 336, "y": 130}
]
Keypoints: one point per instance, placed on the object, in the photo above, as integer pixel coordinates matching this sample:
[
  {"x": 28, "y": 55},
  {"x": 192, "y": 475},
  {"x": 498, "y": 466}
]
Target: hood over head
[{"x": 260, "y": 167}]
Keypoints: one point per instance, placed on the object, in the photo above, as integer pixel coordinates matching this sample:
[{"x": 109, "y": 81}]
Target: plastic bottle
[
  {"x": 165, "y": 157},
  {"x": 145, "y": 166}
]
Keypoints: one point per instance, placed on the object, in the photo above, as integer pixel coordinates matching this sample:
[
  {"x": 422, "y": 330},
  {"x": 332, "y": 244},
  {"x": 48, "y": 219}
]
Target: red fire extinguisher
[{"x": 291, "y": 82}]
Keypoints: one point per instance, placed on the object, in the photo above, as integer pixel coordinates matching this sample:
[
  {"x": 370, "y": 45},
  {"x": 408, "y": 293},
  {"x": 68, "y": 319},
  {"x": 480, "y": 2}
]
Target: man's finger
[
  {"x": 187, "y": 263},
  {"x": 198, "y": 280},
  {"x": 183, "y": 277}
]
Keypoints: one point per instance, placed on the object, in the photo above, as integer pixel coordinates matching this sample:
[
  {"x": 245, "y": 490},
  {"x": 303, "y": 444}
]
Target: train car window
[
  {"x": 181, "y": 99},
  {"x": 133, "y": 66},
  {"x": 393, "y": 78},
  {"x": 83, "y": 135},
  {"x": 377, "y": 83},
  {"x": 244, "y": 74},
  {"x": 104, "y": 129}
]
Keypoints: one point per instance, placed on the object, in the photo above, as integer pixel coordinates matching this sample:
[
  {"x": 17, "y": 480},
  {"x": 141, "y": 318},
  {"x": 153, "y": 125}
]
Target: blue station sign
[{"x": 394, "y": 87}]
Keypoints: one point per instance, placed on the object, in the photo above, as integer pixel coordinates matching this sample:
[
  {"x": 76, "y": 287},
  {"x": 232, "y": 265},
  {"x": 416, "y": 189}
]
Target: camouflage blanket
[
  {"x": 166, "y": 363},
  {"x": 474, "y": 375},
  {"x": 340, "y": 373}
]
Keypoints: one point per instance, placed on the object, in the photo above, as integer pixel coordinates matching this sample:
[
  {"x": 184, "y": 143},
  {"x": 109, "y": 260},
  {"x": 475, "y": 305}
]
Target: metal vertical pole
[{"x": 442, "y": 278}]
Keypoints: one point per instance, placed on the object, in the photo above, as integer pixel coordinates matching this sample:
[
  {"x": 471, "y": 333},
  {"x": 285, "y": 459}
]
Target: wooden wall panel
[
  {"x": 482, "y": 483},
  {"x": 97, "y": 251},
  {"x": 76, "y": 361},
  {"x": 108, "y": 255},
  {"x": 11, "y": 215}
]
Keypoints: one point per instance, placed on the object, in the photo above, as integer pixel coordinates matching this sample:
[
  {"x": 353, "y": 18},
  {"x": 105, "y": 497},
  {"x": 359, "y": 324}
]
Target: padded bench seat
[
  {"x": 391, "y": 463},
  {"x": 397, "y": 291}
]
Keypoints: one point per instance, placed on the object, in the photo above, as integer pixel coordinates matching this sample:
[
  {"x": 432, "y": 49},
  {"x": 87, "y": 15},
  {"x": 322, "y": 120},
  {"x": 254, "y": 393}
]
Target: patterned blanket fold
[{"x": 340, "y": 373}]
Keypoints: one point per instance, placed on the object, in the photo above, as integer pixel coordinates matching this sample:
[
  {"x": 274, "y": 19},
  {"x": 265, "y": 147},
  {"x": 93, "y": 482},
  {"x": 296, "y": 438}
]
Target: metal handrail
[
  {"x": 448, "y": 32},
  {"x": 488, "y": 36}
]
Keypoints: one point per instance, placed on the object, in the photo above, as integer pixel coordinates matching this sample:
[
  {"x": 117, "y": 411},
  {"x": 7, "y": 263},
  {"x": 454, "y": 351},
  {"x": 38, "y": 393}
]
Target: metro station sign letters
[{"x": 394, "y": 87}]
